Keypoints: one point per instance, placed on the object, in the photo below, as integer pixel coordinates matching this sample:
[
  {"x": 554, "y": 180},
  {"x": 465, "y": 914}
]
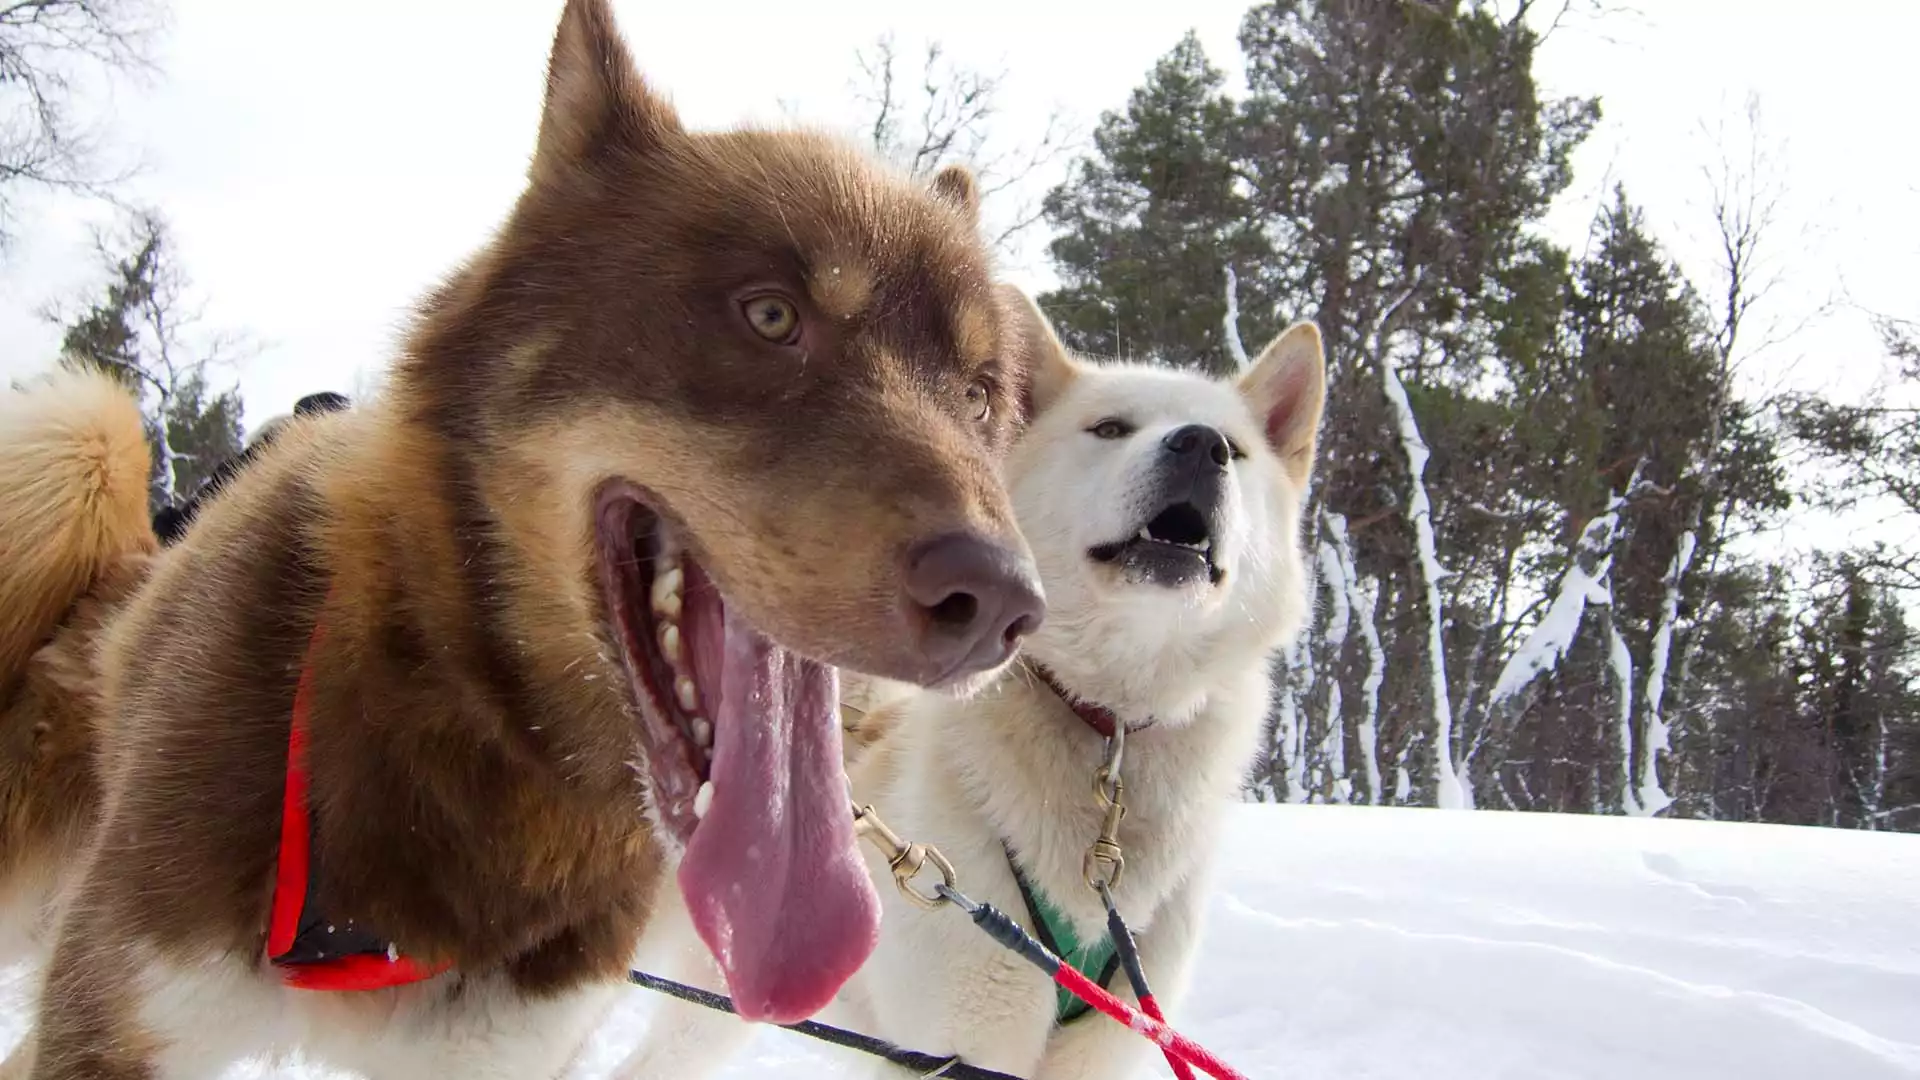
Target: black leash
[
  {"x": 1043, "y": 930},
  {"x": 1129, "y": 953},
  {"x": 1104, "y": 862},
  {"x": 1124, "y": 945},
  {"x": 927, "y": 1065}
]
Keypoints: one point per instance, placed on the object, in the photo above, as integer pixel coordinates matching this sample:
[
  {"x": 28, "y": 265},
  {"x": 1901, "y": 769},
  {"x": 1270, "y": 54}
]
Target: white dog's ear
[
  {"x": 1287, "y": 388},
  {"x": 1042, "y": 360}
]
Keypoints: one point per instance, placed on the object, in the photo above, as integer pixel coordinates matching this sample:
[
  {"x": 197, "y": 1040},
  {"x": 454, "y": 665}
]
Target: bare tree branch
[
  {"x": 1747, "y": 191},
  {"x": 946, "y": 115},
  {"x": 47, "y": 47}
]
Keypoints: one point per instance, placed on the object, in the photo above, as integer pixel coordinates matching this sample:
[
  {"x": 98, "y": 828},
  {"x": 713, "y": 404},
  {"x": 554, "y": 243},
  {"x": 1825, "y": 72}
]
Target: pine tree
[
  {"x": 1855, "y": 664},
  {"x": 1625, "y": 409},
  {"x": 137, "y": 331},
  {"x": 1152, "y": 222},
  {"x": 205, "y": 427},
  {"x": 108, "y": 334},
  {"x": 1395, "y": 154},
  {"x": 1875, "y": 448},
  {"x": 1890, "y": 709},
  {"x": 1535, "y": 470}
]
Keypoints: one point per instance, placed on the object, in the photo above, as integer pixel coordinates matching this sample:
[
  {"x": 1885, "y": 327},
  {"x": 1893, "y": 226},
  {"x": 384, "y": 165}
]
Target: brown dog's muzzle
[{"x": 971, "y": 600}]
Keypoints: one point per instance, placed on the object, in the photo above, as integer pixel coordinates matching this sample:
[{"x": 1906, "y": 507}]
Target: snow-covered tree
[{"x": 141, "y": 330}]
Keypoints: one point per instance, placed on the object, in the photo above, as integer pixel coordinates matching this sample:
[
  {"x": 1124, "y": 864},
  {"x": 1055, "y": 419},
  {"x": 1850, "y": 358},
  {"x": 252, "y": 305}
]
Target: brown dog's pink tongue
[{"x": 772, "y": 877}]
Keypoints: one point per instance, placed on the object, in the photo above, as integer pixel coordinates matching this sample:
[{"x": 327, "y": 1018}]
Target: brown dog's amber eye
[
  {"x": 772, "y": 317},
  {"x": 980, "y": 399}
]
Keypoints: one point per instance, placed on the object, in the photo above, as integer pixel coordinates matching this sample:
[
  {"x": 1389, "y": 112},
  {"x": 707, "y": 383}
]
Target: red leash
[
  {"x": 1179, "y": 1065},
  {"x": 1137, "y": 976},
  {"x": 1009, "y": 934},
  {"x": 1174, "y": 1044}
]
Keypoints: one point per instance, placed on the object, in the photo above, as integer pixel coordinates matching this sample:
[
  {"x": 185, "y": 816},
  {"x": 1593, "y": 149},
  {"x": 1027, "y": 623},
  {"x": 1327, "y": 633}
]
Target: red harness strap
[{"x": 309, "y": 952}]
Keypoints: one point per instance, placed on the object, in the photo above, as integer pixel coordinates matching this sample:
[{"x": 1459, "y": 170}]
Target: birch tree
[{"x": 144, "y": 330}]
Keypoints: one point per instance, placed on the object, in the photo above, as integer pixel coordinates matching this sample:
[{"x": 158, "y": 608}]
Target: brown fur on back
[
  {"x": 429, "y": 558},
  {"x": 48, "y": 735}
]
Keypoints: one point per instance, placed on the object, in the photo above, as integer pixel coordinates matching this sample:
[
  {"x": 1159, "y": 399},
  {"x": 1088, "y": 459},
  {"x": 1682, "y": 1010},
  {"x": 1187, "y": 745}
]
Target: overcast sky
[{"x": 322, "y": 162}]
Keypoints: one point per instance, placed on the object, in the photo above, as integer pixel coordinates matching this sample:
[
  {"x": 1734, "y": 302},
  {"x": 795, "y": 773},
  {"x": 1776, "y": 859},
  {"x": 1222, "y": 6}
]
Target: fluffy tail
[{"x": 74, "y": 470}]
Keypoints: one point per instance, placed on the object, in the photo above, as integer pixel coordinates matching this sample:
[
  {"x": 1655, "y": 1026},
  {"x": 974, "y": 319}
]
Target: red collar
[{"x": 1098, "y": 717}]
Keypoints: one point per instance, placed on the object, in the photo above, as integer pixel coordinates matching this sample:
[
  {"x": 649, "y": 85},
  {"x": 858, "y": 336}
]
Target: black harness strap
[
  {"x": 1073, "y": 1008},
  {"x": 927, "y": 1065}
]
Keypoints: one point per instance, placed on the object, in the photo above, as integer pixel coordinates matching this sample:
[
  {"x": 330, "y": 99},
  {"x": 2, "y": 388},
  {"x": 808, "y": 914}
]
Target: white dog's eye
[
  {"x": 1233, "y": 447},
  {"x": 1111, "y": 428}
]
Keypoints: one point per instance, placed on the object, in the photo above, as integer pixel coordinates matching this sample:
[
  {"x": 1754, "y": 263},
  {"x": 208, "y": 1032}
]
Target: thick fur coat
[
  {"x": 751, "y": 362},
  {"x": 1163, "y": 509}
]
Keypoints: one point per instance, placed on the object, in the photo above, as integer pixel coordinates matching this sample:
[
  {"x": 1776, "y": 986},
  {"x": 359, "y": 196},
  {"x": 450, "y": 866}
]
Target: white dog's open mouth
[
  {"x": 742, "y": 743},
  {"x": 1174, "y": 549}
]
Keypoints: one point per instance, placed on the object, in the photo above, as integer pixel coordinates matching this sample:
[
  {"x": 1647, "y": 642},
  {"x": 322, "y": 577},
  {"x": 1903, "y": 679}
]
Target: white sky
[{"x": 322, "y": 162}]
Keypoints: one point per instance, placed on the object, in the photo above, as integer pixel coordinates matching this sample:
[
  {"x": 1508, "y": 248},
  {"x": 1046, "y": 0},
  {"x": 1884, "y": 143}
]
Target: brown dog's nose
[{"x": 978, "y": 599}]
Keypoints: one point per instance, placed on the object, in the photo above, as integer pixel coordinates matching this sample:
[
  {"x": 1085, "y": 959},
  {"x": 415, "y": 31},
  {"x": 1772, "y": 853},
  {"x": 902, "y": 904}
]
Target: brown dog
[{"x": 433, "y": 692}]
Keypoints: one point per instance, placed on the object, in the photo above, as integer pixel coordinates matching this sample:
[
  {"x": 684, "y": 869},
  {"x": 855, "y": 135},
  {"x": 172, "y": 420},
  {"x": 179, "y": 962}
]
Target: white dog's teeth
[
  {"x": 703, "y": 800},
  {"x": 1144, "y": 535},
  {"x": 687, "y": 693},
  {"x": 702, "y": 732},
  {"x": 670, "y": 643}
]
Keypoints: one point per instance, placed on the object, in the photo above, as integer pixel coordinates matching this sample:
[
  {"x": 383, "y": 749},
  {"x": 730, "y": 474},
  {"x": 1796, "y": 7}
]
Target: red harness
[{"x": 308, "y": 951}]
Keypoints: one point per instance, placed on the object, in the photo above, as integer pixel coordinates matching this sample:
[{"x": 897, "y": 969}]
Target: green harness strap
[{"x": 1097, "y": 961}]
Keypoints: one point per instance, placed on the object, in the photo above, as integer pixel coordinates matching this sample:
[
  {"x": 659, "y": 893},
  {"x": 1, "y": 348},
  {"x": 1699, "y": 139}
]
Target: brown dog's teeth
[
  {"x": 666, "y": 592},
  {"x": 702, "y": 733},
  {"x": 666, "y": 598}
]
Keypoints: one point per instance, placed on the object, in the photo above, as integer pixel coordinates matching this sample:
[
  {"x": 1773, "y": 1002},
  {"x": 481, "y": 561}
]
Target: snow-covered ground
[{"x": 1427, "y": 945}]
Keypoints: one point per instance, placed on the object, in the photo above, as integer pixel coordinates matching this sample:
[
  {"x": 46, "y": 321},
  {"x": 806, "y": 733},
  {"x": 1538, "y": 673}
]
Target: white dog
[{"x": 1163, "y": 508}]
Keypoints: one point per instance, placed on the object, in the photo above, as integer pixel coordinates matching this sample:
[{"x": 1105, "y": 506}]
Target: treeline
[
  {"x": 1533, "y": 527},
  {"x": 1537, "y": 530},
  {"x": 140, "y": 323}
]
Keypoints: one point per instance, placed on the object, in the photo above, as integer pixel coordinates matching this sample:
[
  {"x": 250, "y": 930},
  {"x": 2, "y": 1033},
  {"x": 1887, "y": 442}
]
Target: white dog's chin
[
  {"x": 1141, "y": 591},
  {"x": 973, "y": 685}
]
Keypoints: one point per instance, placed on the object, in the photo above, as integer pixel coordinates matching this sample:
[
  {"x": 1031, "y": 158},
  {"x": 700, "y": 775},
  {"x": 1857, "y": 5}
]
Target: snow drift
[{"x": 1355, "y": 942}]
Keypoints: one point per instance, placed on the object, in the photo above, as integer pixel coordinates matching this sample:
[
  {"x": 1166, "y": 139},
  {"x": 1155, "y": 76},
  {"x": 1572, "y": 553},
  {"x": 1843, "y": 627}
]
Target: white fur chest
[
  {"x": 1031, "y": 772},
  {"x": 1013, "y": 769}
]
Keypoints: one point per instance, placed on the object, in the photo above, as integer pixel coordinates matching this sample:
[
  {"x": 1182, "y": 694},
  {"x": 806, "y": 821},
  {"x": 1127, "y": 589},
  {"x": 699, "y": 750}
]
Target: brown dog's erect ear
[
  {"x": 1287, "y": 388},
  {"x": 595, "y": 96},
  {"x": 955, "y": 186},
  {"x": 1043, "y": 360}
]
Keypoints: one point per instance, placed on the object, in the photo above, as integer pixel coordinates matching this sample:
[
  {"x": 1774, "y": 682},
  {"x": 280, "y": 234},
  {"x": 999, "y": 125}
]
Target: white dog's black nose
[
  {"x": 1198, "y": 443},
  {"x": 1193, "y": 469}
]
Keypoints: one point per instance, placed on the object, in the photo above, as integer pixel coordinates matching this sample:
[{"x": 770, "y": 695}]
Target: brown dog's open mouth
[{"x": 742, "y": 743}]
